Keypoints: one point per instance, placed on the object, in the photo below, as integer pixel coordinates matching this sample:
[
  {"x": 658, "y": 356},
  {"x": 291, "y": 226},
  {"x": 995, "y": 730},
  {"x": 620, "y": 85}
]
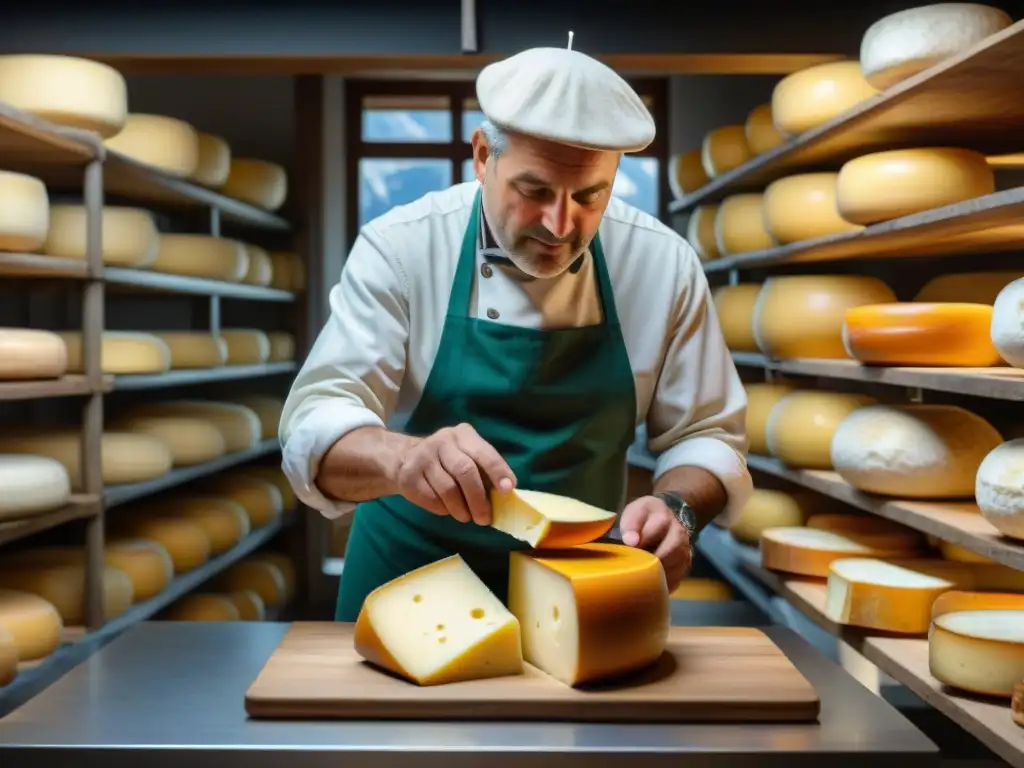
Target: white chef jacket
[{"x": 371, "y": 360}]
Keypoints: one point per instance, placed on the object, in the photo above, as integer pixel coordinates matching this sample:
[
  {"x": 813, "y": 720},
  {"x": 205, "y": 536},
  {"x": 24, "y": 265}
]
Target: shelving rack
[{"x": 64, "y": 158}]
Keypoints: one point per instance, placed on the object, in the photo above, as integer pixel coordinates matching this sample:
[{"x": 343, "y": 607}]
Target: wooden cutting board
[{"x": 707, "y": 674}]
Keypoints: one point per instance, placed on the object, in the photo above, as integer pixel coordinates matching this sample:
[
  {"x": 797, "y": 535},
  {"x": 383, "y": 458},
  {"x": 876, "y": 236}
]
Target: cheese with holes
[
  {"x": 32, "y": 484},
  {"x": 806, "y": 551},
  {"x": 767, "y": 508},
  {"x": 35, "y": 624},
  {"x": 803, "y": 207},
  {"x": 700, "y": 232},
  {"x": 24, "y": 213},
  {"x": 190, "y": 440},
  {"x": 260, "y": 498},
  {"x": 968, "y": 287},
  {"x": 762, "y": 135},
  {"x": 130, "y": 236},
  {"x": 282, "y": 347},
  {"x": 591, "y": 612},
  {"x": 739, "y": 225},
  {"x": 901, "y": 44},
  {"x": 976, "y": 642},
  {"x": 121, "y": 353},
  {"x": 289, "y": 271},
  {"x": 276, "y": 477},
  {"x": 268, "y": 409},
  {"x": 952, "y": 335},
  {"x": 802, "y": 316},
  {"x": 887, "y": 185},
  {"x": 811, "y": 97},
  {"x": 999, "y": 488},
  {"x": 249, "y": 605},
  {"x": 27, "y": 354},
  {"x": 802, "y": 426},
  {"x": 547, "y": 521},
  {"x": 8, "y": 657},
  {"x": 283, "y": 564},
  {"x": 704, "y": 590},
  {"x": 214, "y": 161},
  {"x": 63, "y": 586},
  {"x": 725, "y": 148},
  {"x": 761, "y": 399},
  {"x": 239, "y": 425},
  {"x": 258, "y": 182},
  {"x": 261, "y": 576},
  {"x": 66, "y": 90},
  {"x": 687, "y": 173},
  {"x": 185, "y": 540},
  {"x": 913, "y": 451},
  {"x": 224, "y": 521},
  {"x": 165, "y": 143},
  {"x": 213, "y": 258},
  {"x": 734, "y": 305},
  {"x": 194, "y": 349},
  {"x": 261, "y": 269},
  {"x": 246, "y": 346},
  {"x": 1007, "y": 329},
  {"x": 203, "y": 607},
  {"x": 439, "y": 624}
]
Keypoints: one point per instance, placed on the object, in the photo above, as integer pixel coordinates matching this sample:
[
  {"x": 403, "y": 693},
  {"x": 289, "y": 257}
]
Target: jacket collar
[{"x": 493, "y": 253}]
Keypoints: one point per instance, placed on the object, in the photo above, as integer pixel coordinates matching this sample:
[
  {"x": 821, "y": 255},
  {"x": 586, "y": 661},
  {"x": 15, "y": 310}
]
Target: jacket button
[
  {"x": 485, "y": 270},
  {"x": 493, "y": 314}
]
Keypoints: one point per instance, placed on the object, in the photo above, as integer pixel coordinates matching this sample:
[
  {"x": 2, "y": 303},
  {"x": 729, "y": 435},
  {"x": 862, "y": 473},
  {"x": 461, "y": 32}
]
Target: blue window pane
[
  {"x": 385, "y": 183},
  {"x": 471, "y": 119},
  {"x": 637, "y": 182},
  {"x": 407, "y": 125},
  {"x": 468, "y": 174}
]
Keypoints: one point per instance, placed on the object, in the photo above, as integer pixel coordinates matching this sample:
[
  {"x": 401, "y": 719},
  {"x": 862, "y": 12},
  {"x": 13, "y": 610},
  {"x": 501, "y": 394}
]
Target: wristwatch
[{"x": 683, "y": 512}]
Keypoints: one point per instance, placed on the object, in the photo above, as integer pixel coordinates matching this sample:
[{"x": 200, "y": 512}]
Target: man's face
[{"x": 544, "y": 201}]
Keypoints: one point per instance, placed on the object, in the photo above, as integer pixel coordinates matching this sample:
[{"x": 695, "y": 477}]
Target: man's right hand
[{"x": 448, "y": 473}]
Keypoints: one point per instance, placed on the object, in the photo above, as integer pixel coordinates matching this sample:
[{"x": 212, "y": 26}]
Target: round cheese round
[
  {"x": 811, "y": 97},
  {"x": 276, "y": 477},
  {"x": 968, "y": 287},
  {"x": 725, "y": 148},
  {"x": 225, "y": 522},
  {"x": 214, "y": 161},
  {"x": 121, "y": 353},
  {"x": 24, "y": 212},
  {"x": 63, "y": 586},
  {"x": 33, "y": 623},
  {"x": 803, "y": 207},
  {"x": 1006, "y": 331},
  {"x": 284, "y": 564},
  {"x": 31, "y": 484},
  {"x": 130, "y": 237},
  {"x": 762, "y": 135},
  {"x": 289, "y": 273},
  {"x": 761, "y": 399},
  {"x": 261, "y": 576},
  {"x": 164, "y": 143},
  {"x": 203, "y": 607},
  {"x": 214, "y": 258},
  {"x": 704, "y": 590},
  {"x": 811, "y": 551},
  {"x": 700, "y": 232},
  {"x": 268, "y": 409},
  {"x": 980, "y": 651},
  {"x": 261, "y": 269},
  {"x": 739, "y": 225},
  {"x": 185, "y": 540},
  {"x": 734, "y": 305},
  {"x": 195, "y": 349},
  {"x": 239, "y": 425},
  {"x": 27, "y": 354},
  {"x": 687, "y": 173},
  {"x": 246, "y": 346},
  {"x": 190, "y": 440},
  {"x": 999, "y": 488},
  {"x": 282, "y": 347},
  {"x": 249, "y": 604},
  {"x": 147, "y": 563},
  {"x": 766, "y": 509},
  {"x": 802, "y": 426},
  {"x": 261, "y": 498},
  {"x": 257, "y": 182}
]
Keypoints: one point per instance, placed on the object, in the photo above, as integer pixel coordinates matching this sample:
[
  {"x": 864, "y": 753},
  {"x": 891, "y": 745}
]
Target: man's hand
[
  {"x": 444, "y": 473},
  {"x": 647, "y": 523}
]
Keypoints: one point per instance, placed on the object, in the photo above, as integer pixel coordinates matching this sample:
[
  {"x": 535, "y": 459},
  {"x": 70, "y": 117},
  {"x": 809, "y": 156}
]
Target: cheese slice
[
  {"x": 282, "y": 347},
  {"x": 439, "y": 624},
  {"x": 289, "y": 273},
  {"x": 31, "y": 484},
  {"x": 63, "y": 586},
  {"x": 261, "y": 576},
  {"x": 591, "y": 612},
  {"x": 261, "y": 268},
  {"x": 724, "y": 149},
  {"x": 203, "y": 607},
  {"x": 257, "y": 182},
  {"x": 249, "y": 605},
  {"x": 190, "y": 440},
  {"x": 24, "y": 211},
  {"x": 121, "y": 352},
  {"x": 213, "y": 258},
  {"x": 8, "y": 657},
  {"x": 999, "y": 488},
  {"x": 165, "y": 143},
  {"x": 240, "y": 426},
  {"x": 762, "y": 135},
  {"x": 548, "y": 521},
  {"x": 700, "y": 232},
  {"x": 811, "y": 551},
  {"x": 1007, "y": 333},
  {"x": 810, "y": 97},
  {"x": 268, "y": 409},
  {"x": 194, "y": 349},
  {"x": 33, "y": 623},
  {"x": 185, "y": 540},
  {"x": 768, "y": 508},
  {"x": 734, "y": 305},
  {"x": 130, "y": 236},
  {"x": 707, "y": 590},
  {"x": 803, "y": 207},
  {"x": 27, "y": 354},
  {"x": 739, "y": 225},
  {"x": 967, "y": 287},
  {"x": 224, "y": 521},
  {"x": 246, "y": 346},
  {"x": 802, "y": 425},
  {"x": 214, "y": 162},
  {"x": 687, "y": 173},
  {"x": 761, "y": 399},
  {"x": 260, "y": 498}
]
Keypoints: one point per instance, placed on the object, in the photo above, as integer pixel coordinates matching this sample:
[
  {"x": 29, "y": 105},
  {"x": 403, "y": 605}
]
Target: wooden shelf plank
[
  {"x": 165, "y": 283},
  {"x": 969, "y": 100},
  {"x": 25, "y": 138},
  {"x": 40, "y": 266},
  {"x": 955, "y": 522},
  {"x": 66, "y": 386},
  {"x": 81, "y": 507}
]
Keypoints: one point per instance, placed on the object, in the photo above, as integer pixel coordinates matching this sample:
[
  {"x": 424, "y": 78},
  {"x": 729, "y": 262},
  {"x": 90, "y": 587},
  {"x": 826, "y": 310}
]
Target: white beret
[{"x": 567, "y": 97}]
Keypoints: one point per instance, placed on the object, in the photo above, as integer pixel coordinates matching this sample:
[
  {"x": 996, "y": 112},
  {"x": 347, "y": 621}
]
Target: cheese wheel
[
  {"x": 33, "y": 623},
  {"x": 289, "y": 273},
  {"x": 802, "y": 426},
  {"x": 739, "y": 225},
  {"x": 201, "y": 607},
  {"x": 185, "y": 540},
  {"x": 1006, "y": 332},
  {"x": 706, "y": 590},
  {"x": 8, "y": 657},
  {"x": 811, "y": 97},
  {"x": 282, "y": 347},
  {"x": 913, "y": 451},
  {"x": 590, "y": 613},
  {"x": 121, "y": 353},
  {"x": 268, "y": 409},
  {"x": 214, "y": 161},
  {"x": 261, "y": 269},
  {"x": 761, "y": 399},
  {"x": 955, "y": 552},
  {"x": 261, "y": 576},
  {"x": 257, "y": 182},
  {"x": 276, "y": 477},
  {"x": 29, "y": 354},
  {"x": 762, "y": 135},
  {"x": 190, "y": 440},
  {"x": 130, "y": 236},
  {"x": 803, "y": 207},
  {"x": 725, "y": 148},
  {"x": 999, "y": 488},
  {"x": 887, "y": 185},
  {"x": 968, "y": 287},
  {"x": 284, "y": 565},
  {"x": 213, "y": 258},
  {"x": 846, "y": 522},
  {"x": 126, "y": 457},
  {"x": 901, "y": 44},
  {"x": 811, "y": 551},
  {"x": 239, "y": 425},
  {"x": 66, "y": 90},
  {"x": 63, "y": 586},
  {"x": 224, "y": 522},
  {"x": 24, "y": 212},
  {"x": 31, "y": 484},
  {"x": 194, "y": 349},
  {"x": 546, "y": 520},
  {"x": 769, "y": 509},
  {"x": 260, "y": 498},
  {"x": 246, "y": 346},
  {"x": 802, "y": 316},
  {"x": 249, "y": 605},
  {"x": 147, "y": 563},
  {"x": 700, "y": 232},
  {"x": 160, "y": 142},
  {"x": 734, "y": 305},
  {"x": 949, "y": 335},
  {"x": 687, "y": 173}
]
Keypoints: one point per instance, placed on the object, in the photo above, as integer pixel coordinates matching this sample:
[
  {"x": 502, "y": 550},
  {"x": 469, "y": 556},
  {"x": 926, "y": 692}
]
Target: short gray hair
[{"x": 497, "y": 138}]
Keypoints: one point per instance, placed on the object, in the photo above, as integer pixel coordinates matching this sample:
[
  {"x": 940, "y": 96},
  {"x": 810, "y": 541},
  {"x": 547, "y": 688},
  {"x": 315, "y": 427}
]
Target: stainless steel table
[{"x": 171, "y": 694}]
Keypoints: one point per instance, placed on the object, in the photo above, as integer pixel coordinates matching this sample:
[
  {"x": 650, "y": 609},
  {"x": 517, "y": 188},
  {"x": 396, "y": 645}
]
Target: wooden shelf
[
  {"x": 81, "y": 507},
  {"x": 66, "y": 386},
  {"x": 26, "y": 139},
  {"x": 36, "y": 265},
  {"x": 970, "y": 100},
  {"x": 200, "y": 376},
  {"x": 165, "y": 283},
  {"x": 956, "y": 522}
]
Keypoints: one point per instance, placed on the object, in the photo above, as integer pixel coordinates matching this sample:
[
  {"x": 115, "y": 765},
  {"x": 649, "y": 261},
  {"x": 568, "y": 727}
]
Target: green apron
[{"x": 558, "y": 405}]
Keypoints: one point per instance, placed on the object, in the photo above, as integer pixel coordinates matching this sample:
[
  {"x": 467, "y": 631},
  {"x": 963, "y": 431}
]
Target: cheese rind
[
  {"x": 130, "y": 236},
  {"x": 214, "y": 161},
  {"x": 63, "y": 586},
  {"x": 31, "y": 484},
  {"x": 261, "y": 268},
  {"x": 27, "y": 354},
  {"x": 767, "y": 508},
  {"x": 700, "y": 232},
  {"x": 725, "y": 148},
  {"x": 203, "y": 607},
  {"x": 803, "y": 207},
  {"x": 33, "y": 623},
  {"x": 190, "y": 440},
  {"x": 761, "y": 399},
  {"x": 1006, "y": 330},
  {"x": 24, "y": 212},
  {"x": 705, "y": 590},
  {"x": 969, "y": 287},
  {"x": 239, "y": 425},
  {"x": 268, "y": 409},
  {"x": 999, "y": 488},
  {"x": 261, "y": 576},
  {"x": 276, "y": 477},
  {"x": 194, "y": 349},
  {"x": 224, "y": 521},
  {"x": 261, "y": 499},
  {"x": 546, "y": 520},
  {"x": 439, "y": 624},
  {"x": 806, "y": 551},
  {"x": 762, "y": 135},
  {"x": 591, "y": 612},
  {"x": 810, "y": 97},
  {"x": 165, "y": 143},
  {"x": 688, "y": 174},
  {"x": 249, "y": 605},
  {"x": 734, "y": 305},
  {"x": 289, "y": 272},
  {"x": 185, "y": 540},
  {"x": 284, "y": 564},
  {"x": 282, "y": 347},
  {"x": 802, "y": 425},
  {"x": 739, "y": 225},
  {"x": 981, "y": 650},
  {"x": 257, "y": 182},
  {"x": 246, "y": 346},
  {"x": 213, "y": 258},
  {"x": 121, "y": 352}
]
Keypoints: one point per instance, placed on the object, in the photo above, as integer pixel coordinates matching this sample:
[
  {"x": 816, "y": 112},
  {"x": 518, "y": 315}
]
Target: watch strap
[{"x": 682, "y": 511}]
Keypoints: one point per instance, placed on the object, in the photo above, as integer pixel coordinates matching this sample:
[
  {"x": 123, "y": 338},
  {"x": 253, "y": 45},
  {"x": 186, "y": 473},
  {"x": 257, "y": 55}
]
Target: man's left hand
[{"x": 649, "y": 524}]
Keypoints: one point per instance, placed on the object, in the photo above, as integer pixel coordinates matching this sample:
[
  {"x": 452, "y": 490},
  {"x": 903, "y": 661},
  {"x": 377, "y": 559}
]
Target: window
[{"x": 406, "y": 139}]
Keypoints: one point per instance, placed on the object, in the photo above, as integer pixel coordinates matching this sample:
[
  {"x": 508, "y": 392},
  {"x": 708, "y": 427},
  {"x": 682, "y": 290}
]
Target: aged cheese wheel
[
  {"x": 185, "y": 540},
  {"x": 282, "y": 347},
  {"x": 8, "y": 657},
  {"x": 761, "y": 399},
  {"x": 261, "y": 498},
  {"x": 999, "y": 488},
  {"x": 130, "y": 236},
  {"x": 268, "y": 409},
  {"x": 813, "y": 96},
  {"x": 246, "y": 346},
  {"x": 289, "y": 271},
  {"x": 762, "y": 135},
  {"x": 904, "y": 43},
  {"x": 24, "y": 212},
  {"x": 1006, "y": 332},
  {"x": 239, "y": 425},
  {"x": 802, "y": 426},
  {"x": 191, "y": 440},
  {"x": 911, "y": 333},
  {"x": 214, "y": 162},
  {"x": 257, "y": 182},
  {"x": 687, "y": 173},
  {"x": 261, "y": 576},
  {"x": 968, "y": 287},
  {"x": 63, "y": 586},
  {"x": 66, "y": 90},
  {"x": 284, "y": 565},
  {"x": 734, "y": 305},
  {"x": 705, "y": 590},
  {"x": 803, "y": 207},
  {"x": 203, "y": 607},
  {"x": 195, "y": 349},
  {"x": 30, "y": 354},
  {"x": 768, "y": 508},
  {"x": 121, "y": 353},
  {"x": 161, "y": 142},
  {"x": 276, "y": 477},
  {"x": 224, "y": 521},
  {"x": 725, "y": 148},
  {"x": 803, "y": 315},
  {"x": 700, "y": 232},
  {"x": 249, "y": 604},
  {"x": 33, "y": 623},
  {"x": 147, "y": 563},
  {"x": 811, "y": 551},
  {"x": 887, "y": 185},
  {"x": 31, "y": 484},
  {"x": 214, "y": 258},
  {"x": 739, "y": 225},
  {"x": 261, "y": 269},
  {"x": 913, "y": 451}
]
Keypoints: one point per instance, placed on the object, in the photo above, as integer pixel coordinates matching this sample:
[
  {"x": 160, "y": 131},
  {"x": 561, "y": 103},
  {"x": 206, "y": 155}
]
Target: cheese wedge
[
  {"x": 439, "y": 624},
  {"x": 591, "y": 612},
  {"x": 811, "y": 551},
  {"x": 546, "y": 520}
]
